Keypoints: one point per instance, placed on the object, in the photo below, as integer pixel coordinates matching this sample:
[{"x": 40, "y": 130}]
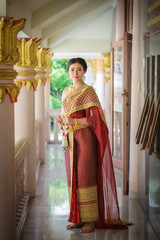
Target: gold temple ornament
[
  {"x": 9, "y": 55},
  {"x": 28, "y": 60}
]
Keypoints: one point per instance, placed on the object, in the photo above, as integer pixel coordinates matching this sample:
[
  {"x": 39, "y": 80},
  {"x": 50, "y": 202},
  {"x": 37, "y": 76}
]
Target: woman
[{"x": 90, "y": 175}]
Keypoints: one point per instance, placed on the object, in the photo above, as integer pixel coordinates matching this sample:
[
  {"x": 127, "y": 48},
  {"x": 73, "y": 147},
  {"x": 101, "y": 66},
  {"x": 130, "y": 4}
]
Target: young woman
[{"x": 90, "y": 174}]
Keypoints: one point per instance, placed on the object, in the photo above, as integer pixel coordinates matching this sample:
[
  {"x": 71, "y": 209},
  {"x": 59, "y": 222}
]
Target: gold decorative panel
[
  {"x": 27, "y": 48},
  {"x": 9, "y": 55}
]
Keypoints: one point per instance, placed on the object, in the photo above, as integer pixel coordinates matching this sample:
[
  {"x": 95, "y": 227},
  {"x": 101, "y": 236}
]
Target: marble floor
[{"x": 48, "y": 212}]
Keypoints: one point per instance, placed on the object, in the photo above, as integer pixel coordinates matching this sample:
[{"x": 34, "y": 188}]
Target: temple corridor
[{"x": 48, "y": 211}]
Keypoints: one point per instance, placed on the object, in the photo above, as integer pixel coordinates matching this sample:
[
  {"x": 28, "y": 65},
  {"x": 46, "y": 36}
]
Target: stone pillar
[
  {"x": 8, "y": 95},
  {"x": 39, "y": 101},
  {"x": 47, "y": 96},
  {"x": 136, "y": 171},
  {"x": 25, "y": 107}
]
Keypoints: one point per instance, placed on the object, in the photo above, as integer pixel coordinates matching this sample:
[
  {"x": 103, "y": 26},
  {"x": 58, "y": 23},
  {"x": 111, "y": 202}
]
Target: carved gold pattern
[
  {"x": 11, "y": 90},
  {"x": 28, "y": 60},
  {"x": 28, "y": 83},
  {"x": 93, "y": 65},
  {"x": 48, "y": 60},
  {"x": 8, "y": 74},
  {"x": 8, "y": 39},
  {"x": 101, "y": 65},
  {"x": 96, "y": 65},
  {"x": 41, "y": 80},
  {"x": 48, "y": 66},
  {"x": 27, "y": 48},
  {"x": 107, "y": 69},
  {"x": 9, "y": 55},
  {"x": 40, "y": 68}
]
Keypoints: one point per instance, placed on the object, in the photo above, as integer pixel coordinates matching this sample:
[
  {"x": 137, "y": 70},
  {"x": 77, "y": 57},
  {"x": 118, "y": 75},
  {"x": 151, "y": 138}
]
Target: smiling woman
[{"x": 90, "y": 174}]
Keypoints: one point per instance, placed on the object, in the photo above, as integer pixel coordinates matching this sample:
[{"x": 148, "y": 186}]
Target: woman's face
[{"x": 76, "y": 72}]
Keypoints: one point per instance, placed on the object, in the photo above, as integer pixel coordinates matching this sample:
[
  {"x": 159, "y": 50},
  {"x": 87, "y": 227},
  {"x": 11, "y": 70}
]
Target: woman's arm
[
  {"x": 72, "y": 121},
  {"x": 89, "y": 120}
]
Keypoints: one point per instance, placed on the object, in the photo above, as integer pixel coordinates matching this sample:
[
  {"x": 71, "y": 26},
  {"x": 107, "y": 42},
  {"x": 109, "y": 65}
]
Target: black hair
[{"x": 77, "y": 60}]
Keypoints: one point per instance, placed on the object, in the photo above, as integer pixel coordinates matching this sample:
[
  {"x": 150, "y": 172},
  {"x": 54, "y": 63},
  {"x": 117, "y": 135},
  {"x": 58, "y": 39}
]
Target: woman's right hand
[{"x": 59, "y": 120}]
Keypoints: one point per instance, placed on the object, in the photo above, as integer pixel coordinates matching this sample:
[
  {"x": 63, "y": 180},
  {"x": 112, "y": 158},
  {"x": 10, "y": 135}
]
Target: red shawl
[{"x": 85, "y": 98}]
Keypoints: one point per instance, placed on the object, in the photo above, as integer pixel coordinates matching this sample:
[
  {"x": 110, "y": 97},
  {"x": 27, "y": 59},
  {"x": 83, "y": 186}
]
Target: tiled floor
[{"x": 48, "y": 212}]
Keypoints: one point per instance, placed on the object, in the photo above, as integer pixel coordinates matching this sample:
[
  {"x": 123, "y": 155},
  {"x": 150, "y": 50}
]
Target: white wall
[{"x": 19, "y": 10}]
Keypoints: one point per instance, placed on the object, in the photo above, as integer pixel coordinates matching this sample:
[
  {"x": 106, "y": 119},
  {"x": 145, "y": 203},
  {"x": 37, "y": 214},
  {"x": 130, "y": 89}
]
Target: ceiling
[{"x": 68, "y": 26}]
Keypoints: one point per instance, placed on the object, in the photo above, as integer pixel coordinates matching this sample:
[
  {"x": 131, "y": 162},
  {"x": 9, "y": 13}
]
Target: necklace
[{"x": 75, "y": 88}]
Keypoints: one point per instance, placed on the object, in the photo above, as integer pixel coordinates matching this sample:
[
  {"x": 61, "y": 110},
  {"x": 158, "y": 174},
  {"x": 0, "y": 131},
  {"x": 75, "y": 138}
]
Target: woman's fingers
[{"x": 58, "y": 119}]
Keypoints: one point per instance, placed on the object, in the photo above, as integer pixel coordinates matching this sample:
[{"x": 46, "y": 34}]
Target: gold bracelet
[{"x": 76, "y": 122}]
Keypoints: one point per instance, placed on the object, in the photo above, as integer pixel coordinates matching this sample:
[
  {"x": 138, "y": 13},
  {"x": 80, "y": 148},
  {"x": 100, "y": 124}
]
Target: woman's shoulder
[
  {"x": 90, "y": 88},
  {"x": 66, "y": 91}
]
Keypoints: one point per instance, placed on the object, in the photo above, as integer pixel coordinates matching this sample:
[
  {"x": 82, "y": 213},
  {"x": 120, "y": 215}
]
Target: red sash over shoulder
[{"x": 86, "y": 99}]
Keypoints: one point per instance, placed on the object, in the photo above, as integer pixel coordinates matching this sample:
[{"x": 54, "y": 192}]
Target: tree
[{"x": 59, "y": 81}]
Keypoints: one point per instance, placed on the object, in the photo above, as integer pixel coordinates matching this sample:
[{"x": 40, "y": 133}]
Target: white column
[
  {"x": 120, "y": 14},
  {"x": 25, "y": 128},
  {"x": 39, "y": 115},
  {"x": 7, "y": 171},
  {"x": 3, "y": 7},
  {"x": 47, "y": 109},
  {"x": 137, "y": 166},
  {"x": 100, "y": 88}
]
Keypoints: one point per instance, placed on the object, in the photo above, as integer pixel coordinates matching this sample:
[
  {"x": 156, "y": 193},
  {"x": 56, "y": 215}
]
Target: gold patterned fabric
[
  {"x": 80, "y": 99},
  {"x": 86, "y": 158},
  {"x": 90, "y": 173},
  {"x": 88, "y": 204}
]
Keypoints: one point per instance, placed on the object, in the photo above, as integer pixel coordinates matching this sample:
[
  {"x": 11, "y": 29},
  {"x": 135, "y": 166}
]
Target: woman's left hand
[{"x": 68, "y": 120}]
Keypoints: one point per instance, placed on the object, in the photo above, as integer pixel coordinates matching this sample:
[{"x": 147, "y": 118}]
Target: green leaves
[{"x": 60, "y": 80}]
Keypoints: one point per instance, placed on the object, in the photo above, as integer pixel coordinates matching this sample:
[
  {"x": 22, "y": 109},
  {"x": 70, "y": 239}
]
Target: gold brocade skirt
[{"x": 85, "y": 152}]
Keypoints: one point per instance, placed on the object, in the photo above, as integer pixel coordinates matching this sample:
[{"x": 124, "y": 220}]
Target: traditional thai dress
[{"x": 89, "y": 167}]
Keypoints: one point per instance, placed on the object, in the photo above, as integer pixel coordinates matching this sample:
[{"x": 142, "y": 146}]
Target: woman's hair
[{"x": 77, "y": 60}]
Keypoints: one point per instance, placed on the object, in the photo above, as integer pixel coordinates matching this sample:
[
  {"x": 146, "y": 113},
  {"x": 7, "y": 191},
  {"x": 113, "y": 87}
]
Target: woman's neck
[{"x": 77, "y": 85}]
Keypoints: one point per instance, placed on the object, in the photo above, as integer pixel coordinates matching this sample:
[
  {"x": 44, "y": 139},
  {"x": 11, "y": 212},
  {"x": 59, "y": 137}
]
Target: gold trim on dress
[
  {"x": 88, "y": 204},
  {"x": 69, "y": 95}
]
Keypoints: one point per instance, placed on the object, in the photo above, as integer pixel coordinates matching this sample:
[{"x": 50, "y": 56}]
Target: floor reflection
[{"x": 48, "y": 212}]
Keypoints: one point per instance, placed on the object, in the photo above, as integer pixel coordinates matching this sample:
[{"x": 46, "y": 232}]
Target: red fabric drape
[
  {"x": 109, "y": 217},
  {"x": 107, "y": 194}
]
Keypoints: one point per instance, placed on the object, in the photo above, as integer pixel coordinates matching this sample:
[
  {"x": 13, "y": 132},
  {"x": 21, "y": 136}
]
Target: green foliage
[
  {"x": 60, "y": 80},
  {"x": 55, "y": 103}
]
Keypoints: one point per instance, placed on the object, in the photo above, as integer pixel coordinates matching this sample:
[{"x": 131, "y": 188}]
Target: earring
[{"x": 84, "y": 78}]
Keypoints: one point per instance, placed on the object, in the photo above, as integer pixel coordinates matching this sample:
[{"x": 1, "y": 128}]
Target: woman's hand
[
  {"x": 59, "y": 120},
  {"x": 67, "y": 120}
]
